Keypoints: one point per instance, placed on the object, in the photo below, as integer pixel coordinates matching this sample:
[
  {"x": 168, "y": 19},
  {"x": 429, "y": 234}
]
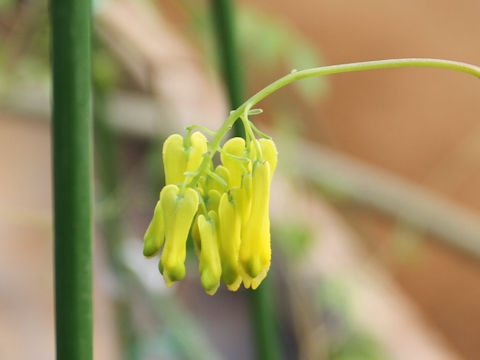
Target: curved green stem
[
  {"x": 358, "y": 66},
  {"x": 326, "y": 70}
]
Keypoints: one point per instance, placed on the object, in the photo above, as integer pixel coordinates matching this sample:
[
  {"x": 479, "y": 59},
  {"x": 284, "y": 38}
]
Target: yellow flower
[
  {"x": 231, "y": 227},
  {"x": 154, "y": 236},
  {"x": 178, "y": 213},
  {"x": 236, "y": 147},
  {"x": 255, "y": 251},
  {"x": 209, "y": 267},
  {"x": 229, "y": 213},
  {"x": 178, "y": 158}
]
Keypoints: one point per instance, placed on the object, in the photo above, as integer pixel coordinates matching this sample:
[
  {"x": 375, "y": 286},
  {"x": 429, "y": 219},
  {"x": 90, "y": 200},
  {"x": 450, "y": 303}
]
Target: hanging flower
[{"x": 225, "y": 210}]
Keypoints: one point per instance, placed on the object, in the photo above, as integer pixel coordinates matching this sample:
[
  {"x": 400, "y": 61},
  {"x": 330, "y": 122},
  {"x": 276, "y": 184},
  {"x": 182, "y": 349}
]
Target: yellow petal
[
  {"x": 269, "y": 153},
  {"x": 177, "y": 229},
  {"x": 229, "y": 239},
  {"x": 214, "y": 184},
  {"x": 255, "y": 252},
  {"x": 153, "y": 239},
  {"x": 235, "y": 285},
  {"x": 235, "y": 146},
  {"x": 258, "y": 280},
  {"x": 212, "y": 200},
  {"x": 198, "y": 147},
  {"x": 209, "y": 267},
  {"x": 174, "y": 159},
  {"x": 197, "y": 244}
]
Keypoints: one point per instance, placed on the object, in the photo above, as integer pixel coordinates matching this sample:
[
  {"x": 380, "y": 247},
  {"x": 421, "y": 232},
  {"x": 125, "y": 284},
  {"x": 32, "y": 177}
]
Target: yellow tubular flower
[
  {"x": 177, "y": 159},
  {"x": 255, "y": 251},
  {"x": 153, "y": 239},
  {"x": 174, "y": 159},
  {"x": 229, "y": 237},
  {"x": 231, "y": 227},
  {"x": 245, "y": 206},
  {"x": 197, "y": 245},
  {"x": 235, "y": 146},
  {"x": 214, "y": 184},
  {"x": 269, "y": 153},
  {"x": 213, "y": 200},
  {"x": 178, "y": 215},
  {"x": 209, "y": 267},
  {"x": 198, "y": 147}
]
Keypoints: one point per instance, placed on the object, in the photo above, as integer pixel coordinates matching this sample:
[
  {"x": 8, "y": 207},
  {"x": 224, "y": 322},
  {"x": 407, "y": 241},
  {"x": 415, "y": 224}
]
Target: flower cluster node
[{"x": 224, "y": 208}]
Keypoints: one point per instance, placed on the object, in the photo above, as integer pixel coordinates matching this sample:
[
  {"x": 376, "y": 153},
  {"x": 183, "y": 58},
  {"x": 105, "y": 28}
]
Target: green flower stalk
[{"x": 226, "y": 209}]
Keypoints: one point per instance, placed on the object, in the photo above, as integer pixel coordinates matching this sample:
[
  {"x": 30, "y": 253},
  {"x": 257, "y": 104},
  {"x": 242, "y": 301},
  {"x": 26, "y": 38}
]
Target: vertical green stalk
[
  {"x": 71, "y": 138},
  {"x": 223, "y": 16},
  {"x": 106, "y": 158},
  {"x": 261, "y": 300}
]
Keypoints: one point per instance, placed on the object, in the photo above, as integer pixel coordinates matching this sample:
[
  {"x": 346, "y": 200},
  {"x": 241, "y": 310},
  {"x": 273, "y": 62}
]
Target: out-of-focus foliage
[
  {"x": 345, "y": 340},
  {"x": 358, "y": 346},
  {"x": 267, "y": 45},
  {"x": 24, "y": 40},
  {"x": 266, "y": 42},
  {"x": 293, "y": 238}
]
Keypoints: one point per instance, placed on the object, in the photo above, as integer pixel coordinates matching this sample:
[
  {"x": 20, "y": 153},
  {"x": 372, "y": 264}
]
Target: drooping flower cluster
[{"x": 226, "y": 210}]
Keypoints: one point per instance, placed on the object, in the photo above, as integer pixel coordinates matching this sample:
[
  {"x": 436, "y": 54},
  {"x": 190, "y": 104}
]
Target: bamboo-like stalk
[
  {"x": 261, "y": 305},
  {"x": 71, "y": 140}
]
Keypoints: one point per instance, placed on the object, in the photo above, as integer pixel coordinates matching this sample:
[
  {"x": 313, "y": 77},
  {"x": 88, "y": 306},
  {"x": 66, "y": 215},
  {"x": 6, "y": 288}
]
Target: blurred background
[{"x": 375, "y": 205}]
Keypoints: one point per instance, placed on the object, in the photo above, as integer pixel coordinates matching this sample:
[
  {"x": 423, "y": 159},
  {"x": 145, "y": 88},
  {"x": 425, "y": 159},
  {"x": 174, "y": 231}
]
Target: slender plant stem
[
  {"x": 261, "y": 307},
  {"x": 224, "y": 19},
  {"x": 358, "y": 66},
  {"x": 106, "y": 158},
  {"x": 242, "y": 110},
  {"x": 70, "y": 20}
]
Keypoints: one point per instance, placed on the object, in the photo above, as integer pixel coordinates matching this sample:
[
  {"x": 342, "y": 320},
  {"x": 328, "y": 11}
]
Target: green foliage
[
  {"x": 357, "y": 346},
  {"x": 346, "y": 341},
  {"x": 277, "y": 42},
  {"x": 266, "y": 44},
  {"x": 294, "y": 238},
  {"x": 6, "y": 4}
]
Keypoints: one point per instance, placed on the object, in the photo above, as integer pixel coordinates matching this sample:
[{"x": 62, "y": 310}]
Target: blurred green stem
[
  {"x": 224, "y": 19},
  {"x": 107, "y": 167},
  {"x": 261, "y": 300},
  {"x": 71, "y": 137}
]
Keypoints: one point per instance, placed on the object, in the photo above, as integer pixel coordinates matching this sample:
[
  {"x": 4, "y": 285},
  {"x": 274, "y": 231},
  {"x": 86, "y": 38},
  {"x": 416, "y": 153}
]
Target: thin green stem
[
  {"x": 224, "y": 20},
  {"x": 71, "y": 137},
  {"x": 263, "y": 313},
  {"x": 243, "y": 109},
  {"x": 358, "y": 66}
]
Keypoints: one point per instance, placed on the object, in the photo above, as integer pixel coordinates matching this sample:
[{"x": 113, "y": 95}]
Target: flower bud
[
  {"x": 174, "y": 159},
  {"x": 269, "y": 153},
  {"x": 178, "y": 215},
  {"x": 230, "y": 223},
  {"x": 255, "y": 251},
  {"x": 154, "y": 236},
  {"x": 209, "y": 267},
  {"x": 196, "y": 150},
  {"x": 235, "y": 146},
  {"x": 177, "y": 159}
]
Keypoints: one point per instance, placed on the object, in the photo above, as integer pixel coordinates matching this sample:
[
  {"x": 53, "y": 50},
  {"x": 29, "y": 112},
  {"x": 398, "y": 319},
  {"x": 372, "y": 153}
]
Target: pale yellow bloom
[
  {"x": 155, "y": 234},
  {"x": 178, "y": 158},
  {"x": 178, "y": 214},
  {"x": 209, "y": 267},
  {"x": 229, "y": 208},
  {"x": 255, "y": 252}
]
